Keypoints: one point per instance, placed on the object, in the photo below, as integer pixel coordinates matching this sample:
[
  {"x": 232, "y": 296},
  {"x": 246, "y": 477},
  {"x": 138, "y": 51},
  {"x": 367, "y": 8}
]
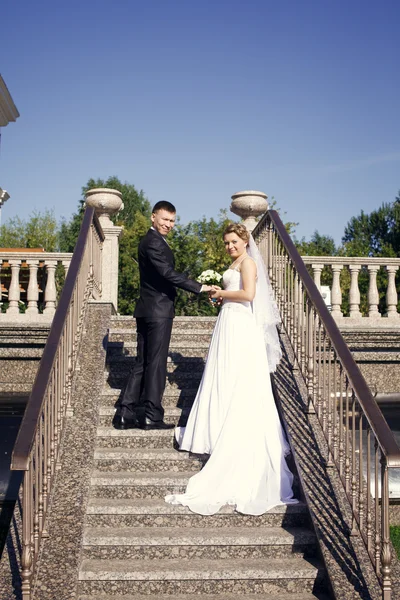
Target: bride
[{"x": 234, "y": 418}]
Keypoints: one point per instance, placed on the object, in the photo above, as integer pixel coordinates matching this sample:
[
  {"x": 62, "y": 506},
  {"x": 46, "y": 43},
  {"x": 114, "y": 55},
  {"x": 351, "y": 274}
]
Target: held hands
[{"x": 214, "y": 295}]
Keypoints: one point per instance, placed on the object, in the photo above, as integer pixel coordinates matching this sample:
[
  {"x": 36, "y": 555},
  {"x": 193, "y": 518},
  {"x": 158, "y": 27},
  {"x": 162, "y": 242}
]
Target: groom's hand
[{"x": 206, "y": 288}]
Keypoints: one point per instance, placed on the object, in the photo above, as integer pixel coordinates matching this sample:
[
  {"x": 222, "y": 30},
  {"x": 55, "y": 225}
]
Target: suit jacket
[{"x": 158, "y": 278}]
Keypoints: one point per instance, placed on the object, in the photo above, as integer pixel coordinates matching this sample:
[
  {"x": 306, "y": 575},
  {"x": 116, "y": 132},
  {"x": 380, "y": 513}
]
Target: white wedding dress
[{"x": 234, "y": 419}]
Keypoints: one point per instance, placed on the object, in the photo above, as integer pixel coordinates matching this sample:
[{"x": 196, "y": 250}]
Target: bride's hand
[{"x": 214, "y": 293}]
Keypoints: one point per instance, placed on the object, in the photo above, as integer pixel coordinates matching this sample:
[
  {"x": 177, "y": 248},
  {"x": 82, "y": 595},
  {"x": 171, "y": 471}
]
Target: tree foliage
[{"x": 40, "y": 230}]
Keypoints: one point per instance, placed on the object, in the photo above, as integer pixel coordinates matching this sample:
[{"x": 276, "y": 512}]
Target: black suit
[{"x": 154, "y": 313}]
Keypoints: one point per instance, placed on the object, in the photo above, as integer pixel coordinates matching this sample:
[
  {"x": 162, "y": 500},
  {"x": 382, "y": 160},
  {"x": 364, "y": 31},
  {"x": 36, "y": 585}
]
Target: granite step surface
[
  {"x": 282, "y": 596},
  {"x": 145, "y": 459},
  {"x": 109, "y": 437},
  {"x": 155, "y": 512},
  {"x": 127, "y": 322},
  {"x": 175, "y": 576},
  {"x": 188, "y": 544},
  {"x": 172, "y": 397},
  {"x": 191, "y": 338},
  {"x": 126, "y": 484}
]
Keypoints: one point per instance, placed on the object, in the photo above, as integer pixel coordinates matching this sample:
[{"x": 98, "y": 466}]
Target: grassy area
[{"x": 395, "y": 537}]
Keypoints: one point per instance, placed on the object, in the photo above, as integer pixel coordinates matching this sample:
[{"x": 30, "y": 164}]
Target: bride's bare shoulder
[{"x": 249, "y": 265}]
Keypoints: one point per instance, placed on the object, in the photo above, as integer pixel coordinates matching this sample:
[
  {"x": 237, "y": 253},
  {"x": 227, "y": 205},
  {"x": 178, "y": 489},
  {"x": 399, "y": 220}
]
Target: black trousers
[{"x": 146, "y": 383}]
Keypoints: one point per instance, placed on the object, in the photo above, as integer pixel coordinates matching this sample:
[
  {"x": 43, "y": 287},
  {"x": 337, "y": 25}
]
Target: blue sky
[{"x": 192, "y": 101}]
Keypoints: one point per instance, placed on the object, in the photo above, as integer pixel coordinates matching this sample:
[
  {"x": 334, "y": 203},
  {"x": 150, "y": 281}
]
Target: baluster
[
  {"x": 347, "y": 439},
  {"x": 386, "y": 555},
  {"x": 336, "y": 295},
  {"x": 50, "y": 294},
  {"x": 341, "y": 423},
  {"x": 317, "y": 270},
  {"x": 335, "y": 431},
  {"x": 330, "y": 462},
  {"x": 33, "y": 289},
  {"x": 324, "y": 383},
  {"x": 369, "y": 492},
  {"x": 310, "y": 357},
  {"x": 14, "y": 293},
  {"x": 353, "y": 466},
  {"x": 391, "y": 294},
  {"x": 354, "y": 292},
  {"x": 377, "y": 524},
  {"x": 26, "y": 556},
  {"x": 361, "y": 501},
  {"x": 373, "y": 293}
]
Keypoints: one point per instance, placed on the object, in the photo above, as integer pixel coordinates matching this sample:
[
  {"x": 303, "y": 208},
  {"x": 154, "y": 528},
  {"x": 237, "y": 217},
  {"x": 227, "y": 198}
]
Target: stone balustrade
[
  {"x": 375, "y": 309},
  {"x": 28, "y": 283}
]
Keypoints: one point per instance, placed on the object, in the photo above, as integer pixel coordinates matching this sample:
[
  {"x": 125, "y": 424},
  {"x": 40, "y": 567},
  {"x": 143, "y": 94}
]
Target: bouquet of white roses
[{"x": 209, "y": 277}]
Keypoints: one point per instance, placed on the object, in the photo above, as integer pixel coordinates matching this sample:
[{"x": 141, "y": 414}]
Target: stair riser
[
  {"x": 182, "y": 401},
  {"x": 147, "y": 465},
  {"x": 118, "y": 380},
  {"x": 186, "y": 325},
  {"x": 199, "y": 521},
  {"x": 106, "y": 420},
  {"x": 195, "y": 552},
  {"x": 135, "y": 491},
  {"x": 117, "y": 362},
  {"x": 209, "y": 586},
  {"x": 177, "y": 352},
  {"x": 177, "y": 339},
  {"x": 135, "y": 442}
]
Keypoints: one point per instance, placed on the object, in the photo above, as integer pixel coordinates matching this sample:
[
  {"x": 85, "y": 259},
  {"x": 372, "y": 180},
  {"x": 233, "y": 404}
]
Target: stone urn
[
  {"x": 106, "y": 202},
  {"x": 249, "y": 205}
]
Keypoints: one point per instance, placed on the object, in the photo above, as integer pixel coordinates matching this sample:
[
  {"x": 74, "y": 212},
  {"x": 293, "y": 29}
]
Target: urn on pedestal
[{"x": 249, "y": 204}]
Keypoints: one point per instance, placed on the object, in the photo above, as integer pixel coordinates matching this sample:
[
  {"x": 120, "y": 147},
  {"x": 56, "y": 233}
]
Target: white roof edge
[{"x": 8, "y": 110}]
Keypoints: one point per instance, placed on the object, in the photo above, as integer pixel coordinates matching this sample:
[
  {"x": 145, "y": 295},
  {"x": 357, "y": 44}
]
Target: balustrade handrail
[
  {"x": 372, "y": 412},
  {"x": 33, "y": 411},
  {"x": 39, "y": 256},
  {"x": 350, "y": 260}
]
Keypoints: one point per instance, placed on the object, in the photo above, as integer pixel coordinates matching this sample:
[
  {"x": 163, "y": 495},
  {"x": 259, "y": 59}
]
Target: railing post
[
  {"x": 33, "y": 290},
  {"x": 14, "y": 293},
  {"x": 108, "y": 202},
  {"x": 391, "y": 294},
  {"x": 354, "y": 291},
  {"x": 336, "y": 296},
  {"x": 373, "y": 294}
]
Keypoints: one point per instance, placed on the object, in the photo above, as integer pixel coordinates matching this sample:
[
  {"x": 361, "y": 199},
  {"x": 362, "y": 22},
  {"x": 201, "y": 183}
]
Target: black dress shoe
[
  {"x": 149, "y": 424},
  {"x": 123, "y": 423}
]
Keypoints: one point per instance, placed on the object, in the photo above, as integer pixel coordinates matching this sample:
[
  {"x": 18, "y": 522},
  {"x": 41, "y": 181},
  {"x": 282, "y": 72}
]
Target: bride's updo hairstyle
[{"x": 239, "y": 229}]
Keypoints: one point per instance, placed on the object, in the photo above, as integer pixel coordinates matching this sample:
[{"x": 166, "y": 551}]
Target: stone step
[
  {"x": 172, "y": 397},
  {"x": 145, "y": 460},
  {"x": 199, "y": 576},
  {"x": 177, "y": 380},
  {"x": 176, "y": 351},
  {"x": 124, "y": 484},
  {"x": 147, "y": 543},
  {"x": 109, "y": 437},
  {"x": 227, "y": 596},
  {"x": 175, "y": 362},
  {"x": 172, "y": 414},
  {"x": 120, "y": 322},
  {"x": 191, "y": 338},
  {"x": 155, "y": 512}
]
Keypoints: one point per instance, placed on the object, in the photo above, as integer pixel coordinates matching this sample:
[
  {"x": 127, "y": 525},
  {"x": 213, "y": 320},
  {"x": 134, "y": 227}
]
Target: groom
[{"x": 154, "y": 313}]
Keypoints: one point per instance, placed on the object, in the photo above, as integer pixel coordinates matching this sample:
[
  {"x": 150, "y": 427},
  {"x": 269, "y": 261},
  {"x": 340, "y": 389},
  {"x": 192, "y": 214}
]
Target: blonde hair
[{"x": 239, "y": 229}]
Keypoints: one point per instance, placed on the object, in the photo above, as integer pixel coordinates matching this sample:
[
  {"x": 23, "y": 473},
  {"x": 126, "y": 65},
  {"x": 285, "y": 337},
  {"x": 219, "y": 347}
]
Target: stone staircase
[{"x": 136, "y": 546}]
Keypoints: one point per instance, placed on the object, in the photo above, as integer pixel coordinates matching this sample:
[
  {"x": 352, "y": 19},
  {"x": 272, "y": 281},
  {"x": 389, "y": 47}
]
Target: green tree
[{"x": 39, "y": 231}]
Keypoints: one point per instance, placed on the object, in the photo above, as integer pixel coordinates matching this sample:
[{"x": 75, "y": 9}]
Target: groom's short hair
[{"x": 164, "y": 205}]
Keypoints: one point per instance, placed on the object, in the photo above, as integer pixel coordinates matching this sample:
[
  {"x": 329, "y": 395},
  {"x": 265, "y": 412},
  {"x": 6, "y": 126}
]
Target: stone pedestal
[
  {"x": 108, "y": 202},
  {"x": 249, "y": 205}
]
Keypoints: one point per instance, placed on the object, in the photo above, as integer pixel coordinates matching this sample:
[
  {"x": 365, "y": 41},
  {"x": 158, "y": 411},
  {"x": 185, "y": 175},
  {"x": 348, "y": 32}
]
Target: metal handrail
[
  {"x": 36, "y": 450},
  {"x": 360, "y": 444},
  {"x": 369, "y": 404}
]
